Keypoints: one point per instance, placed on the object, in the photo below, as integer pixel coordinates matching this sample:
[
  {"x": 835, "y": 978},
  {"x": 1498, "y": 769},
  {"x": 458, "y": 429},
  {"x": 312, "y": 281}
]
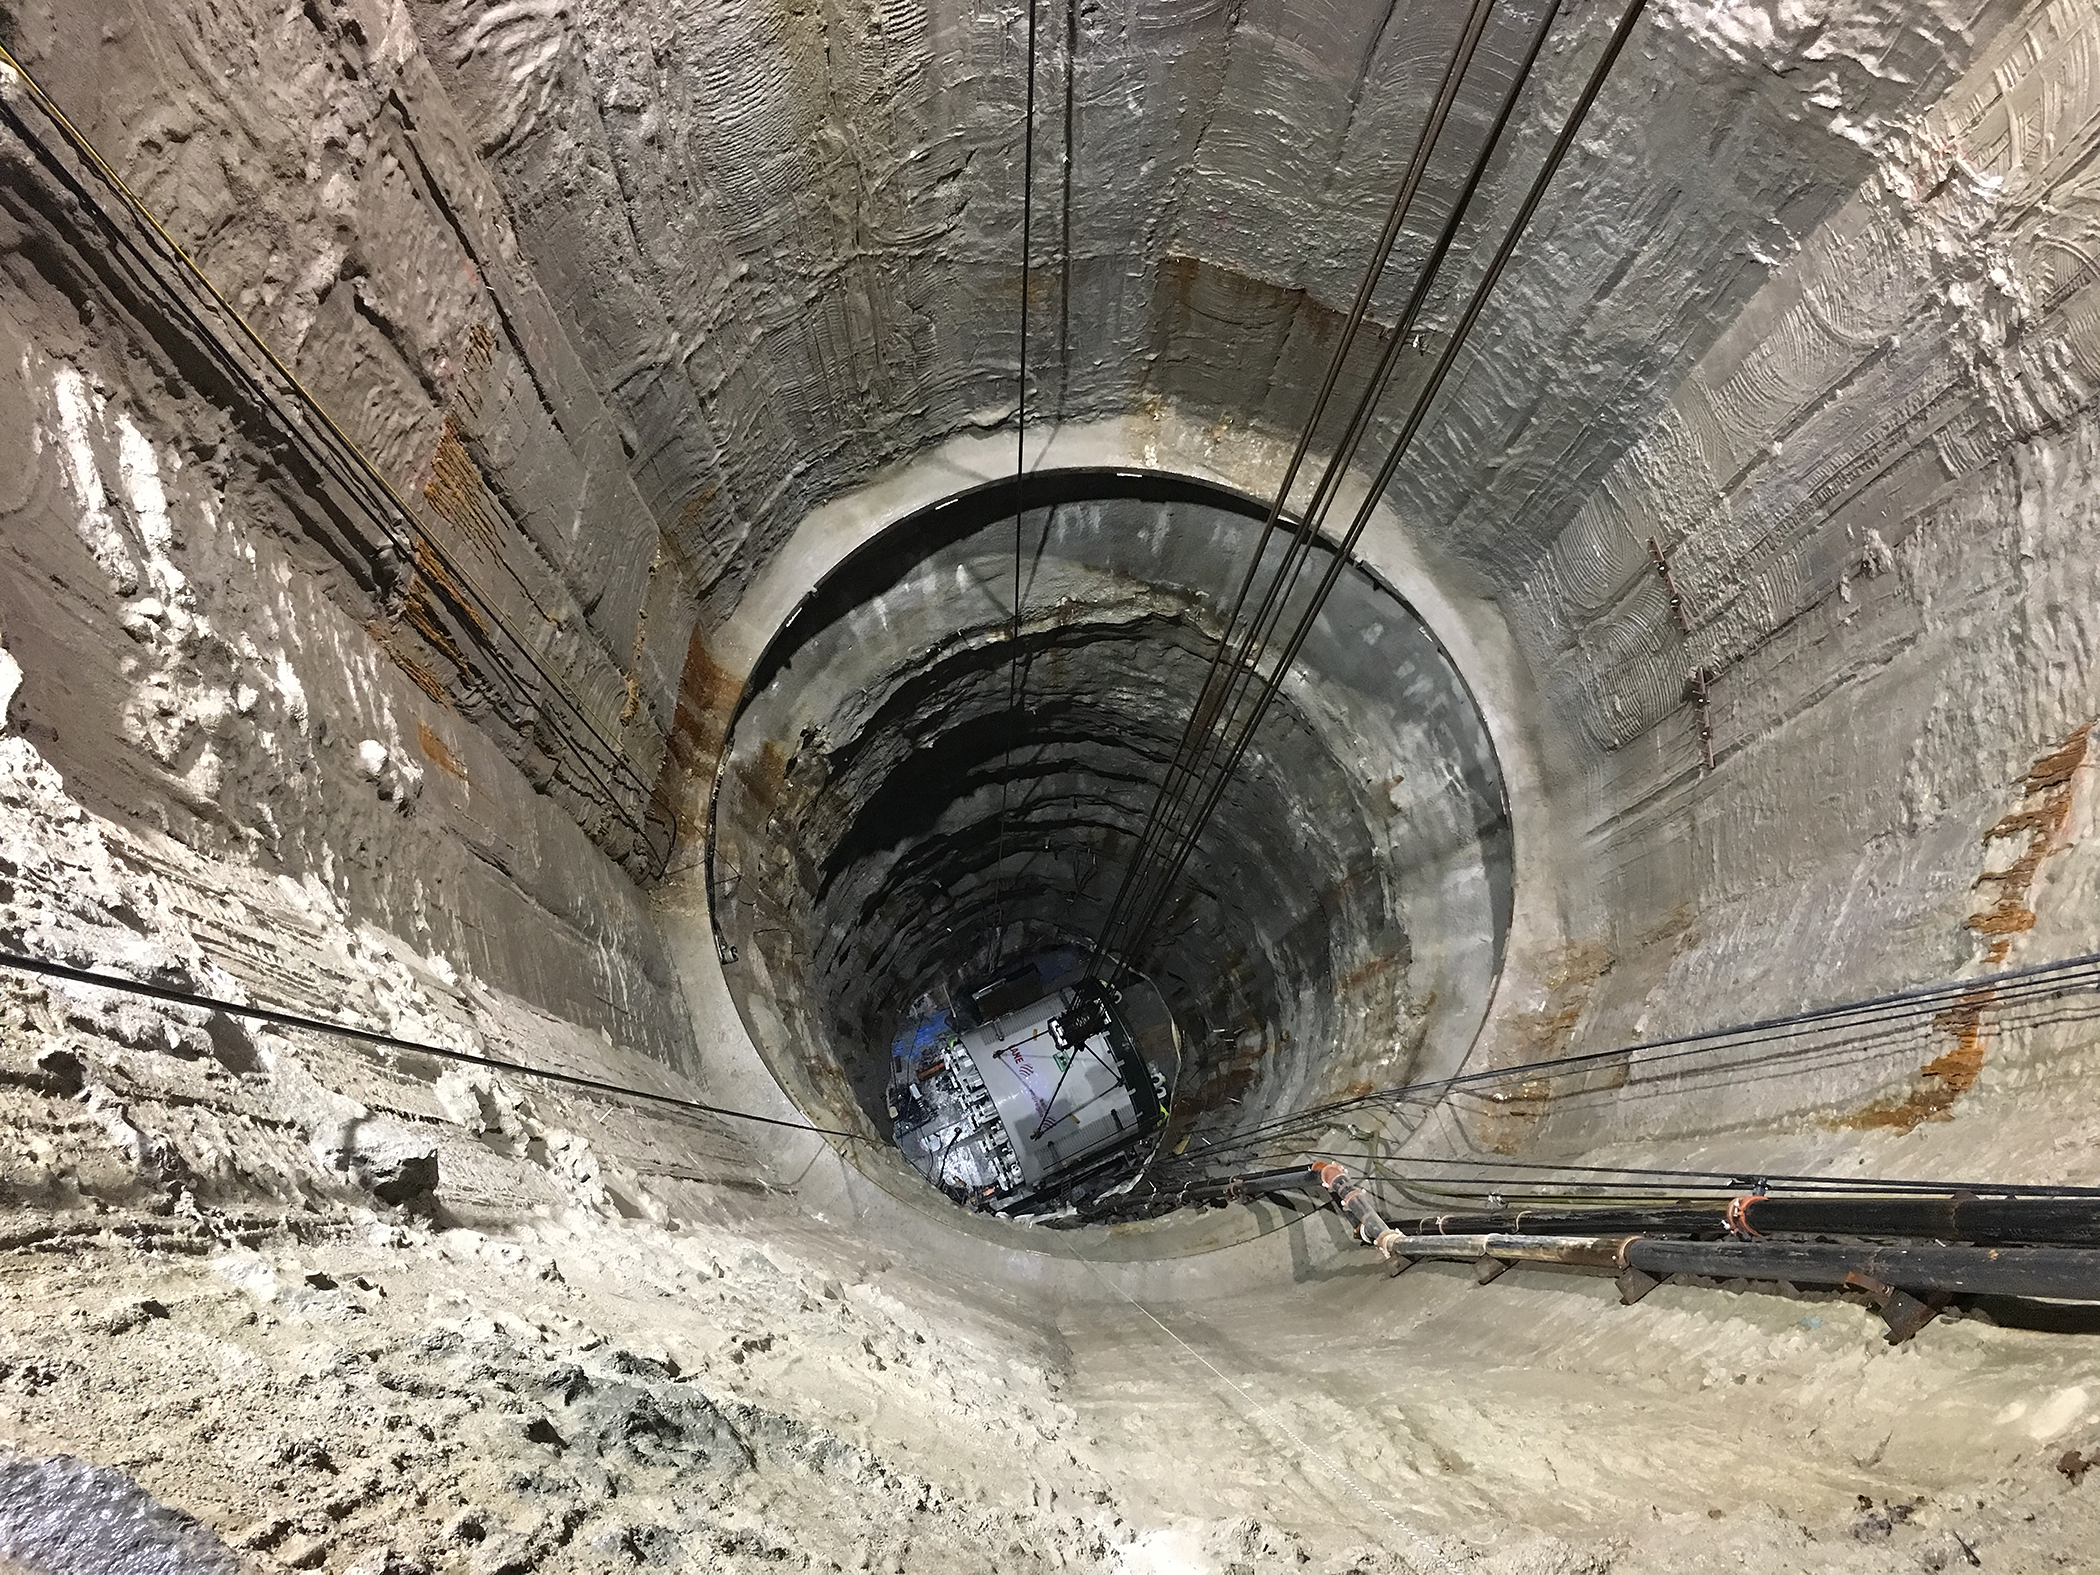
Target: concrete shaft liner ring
[{"x": 1353, "y": 890}]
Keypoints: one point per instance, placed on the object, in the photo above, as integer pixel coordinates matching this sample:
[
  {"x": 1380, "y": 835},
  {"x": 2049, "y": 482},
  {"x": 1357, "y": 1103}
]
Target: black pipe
[
  {"x": 1690, "y": 1221},
  {"x": 2071, "y": 1273},
  {"x": 2066, "y": 1273},
  {"x": 2072, "y": 1222},
  {"x": 1587, "y": 1238},
  {"x": 1260, "y": 1183},
  {"x": 2066, "y": 1221}
]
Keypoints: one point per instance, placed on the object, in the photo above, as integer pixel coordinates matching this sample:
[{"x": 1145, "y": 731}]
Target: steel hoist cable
[
  {"x": 2062, "y": 990},
  {"x": 1015, "y": 683},
  {"x": 1867, "y": 1024},
  {"x": 367, "y": 482},
  {"x": 1424, "y": 401},
  {"x": 1204, "y": 716},
  {"x": 277, "y": 1018},
  {"x": 1211, "y": 721}
]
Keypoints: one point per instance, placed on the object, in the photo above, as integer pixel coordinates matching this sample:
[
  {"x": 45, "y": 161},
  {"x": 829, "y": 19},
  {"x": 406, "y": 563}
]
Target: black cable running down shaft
[
  {"x": 1016, "y": 680},
  {"x": 1194, "y": 787},
  {"x": 1771, "y": 1037},
  {"x": 160, "y": 992},
  {"x": 1213, "y": 699},
  {"x": 1425, "y": 397},
  {"x": 332, "y": 453}
]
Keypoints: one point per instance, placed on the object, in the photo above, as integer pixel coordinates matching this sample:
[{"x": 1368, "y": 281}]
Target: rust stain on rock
[
  {"x": 1945, "y": 1078},
  {"x": 476, "y": 357},
  {"x": 764, "y": 777},
  {"x": 2035, "y": 830},
  {"x": 456, "y": 492},
  {"x": 434, "y": 579},
  {"x": 696, "y": 506},
  {"x": 436, "y": 752},
  {"x": 2038, "y": 825},
  {"x": 1233, "y": 1078},
  {"x": 1356, "y": 978},
  {"x": 1678, "y": 927},
  {"x": 389, "y": 641},
  {"x": 1544, "y": 1035},
  {"x": 452, "y": 485},
  {"x": 707, "y": 697}
]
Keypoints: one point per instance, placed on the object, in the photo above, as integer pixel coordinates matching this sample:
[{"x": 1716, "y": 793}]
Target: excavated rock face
[
  {"x": 1778, "y": 436},
  {"x": 889, "y": 820},
  {"x": 788, "y": 239}
]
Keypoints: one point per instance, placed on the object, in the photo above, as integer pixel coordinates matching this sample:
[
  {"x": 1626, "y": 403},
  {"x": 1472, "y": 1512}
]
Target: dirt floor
[{"x": 337, "y": 1386}]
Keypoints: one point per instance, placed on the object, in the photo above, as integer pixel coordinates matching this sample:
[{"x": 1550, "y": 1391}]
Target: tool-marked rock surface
[
  {"x": 591, "y": 1342},
  {"x": 587, "y": 1339},
  {"x": 1772, "y": 470}
]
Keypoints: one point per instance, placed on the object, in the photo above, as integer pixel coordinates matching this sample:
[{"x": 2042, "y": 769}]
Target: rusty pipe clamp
[{"x": 1355, "y": 1203}]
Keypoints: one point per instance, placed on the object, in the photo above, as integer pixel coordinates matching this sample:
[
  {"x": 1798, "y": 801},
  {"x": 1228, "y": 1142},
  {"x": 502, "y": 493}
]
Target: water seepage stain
[{"x": 2030, "y": 834}]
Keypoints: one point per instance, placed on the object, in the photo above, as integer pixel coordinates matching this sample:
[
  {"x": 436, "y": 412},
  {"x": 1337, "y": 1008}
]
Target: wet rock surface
[{"x": 63, "y": 1516}]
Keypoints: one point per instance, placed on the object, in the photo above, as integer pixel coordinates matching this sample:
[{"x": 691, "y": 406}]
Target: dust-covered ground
[{"x": 343, "y": 1388}]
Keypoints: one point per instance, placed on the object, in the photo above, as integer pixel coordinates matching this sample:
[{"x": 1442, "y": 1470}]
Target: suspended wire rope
[
  {"x": 1424, "y": 400},
  {"x": 1210, "y": 720},
  {"x": 1719, "y": 1182},
  {"x": 1849, "y": 1031},
  {"x": 1860, "y": 1025},
  {"x": 2066, "y": 977},
  {"x": 1064, "y": 286},
  {"x": 1015, "y": 683},
  {"x": 333, "y": 449},
  {"x": 277, "y": 1018},
  {"x": 1204, "y": 715},
  {"x": 1429, "y": 1096},
  {"x": 1202, "y": 718}
]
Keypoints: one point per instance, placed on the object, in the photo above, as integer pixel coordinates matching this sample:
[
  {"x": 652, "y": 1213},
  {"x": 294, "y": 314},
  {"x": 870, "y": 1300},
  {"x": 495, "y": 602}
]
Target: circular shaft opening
[{"x": 922, "y": 817}]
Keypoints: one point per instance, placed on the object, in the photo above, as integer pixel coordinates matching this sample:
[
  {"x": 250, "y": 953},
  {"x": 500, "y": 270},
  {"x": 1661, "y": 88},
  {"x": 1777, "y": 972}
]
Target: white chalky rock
[
  {"x": 371, "y": 758},
  {"x": 10, "y": 681}
]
